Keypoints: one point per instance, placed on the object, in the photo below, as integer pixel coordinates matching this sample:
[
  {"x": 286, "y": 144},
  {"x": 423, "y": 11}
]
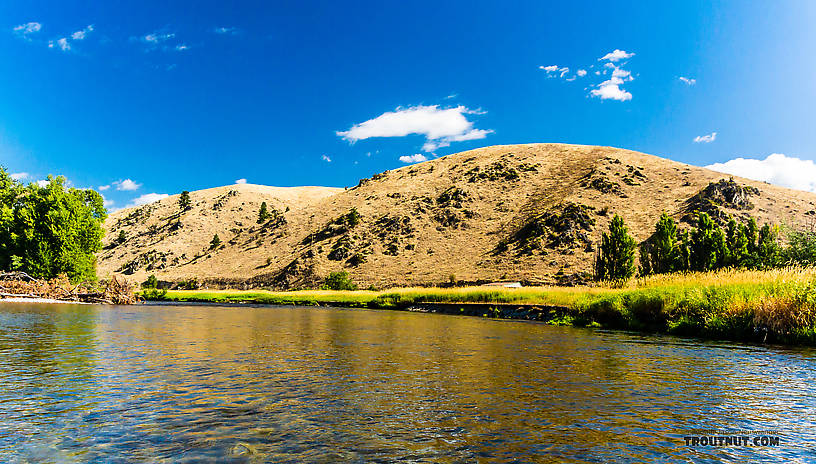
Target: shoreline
[
  {"x": 39, "y": 300},
  {"x": 775, "y": 306}
]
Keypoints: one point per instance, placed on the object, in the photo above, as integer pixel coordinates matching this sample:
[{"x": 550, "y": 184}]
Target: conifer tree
[
  {"x": 184, "y": 201},
  {"x": 706, "y": 244},
  {"x": 263, "y": 214},
  {"x": 215, "y": 242},
  {"x": 616, "y": 256},
  {"x": 663, "y": 248}
]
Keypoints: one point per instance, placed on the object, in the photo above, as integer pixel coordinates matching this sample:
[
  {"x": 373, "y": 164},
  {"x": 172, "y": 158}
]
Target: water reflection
[{"x": 154, "y": 384}]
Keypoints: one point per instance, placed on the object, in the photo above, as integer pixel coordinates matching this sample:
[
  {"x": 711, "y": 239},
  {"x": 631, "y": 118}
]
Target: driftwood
[{"x": 117, "y": 290}]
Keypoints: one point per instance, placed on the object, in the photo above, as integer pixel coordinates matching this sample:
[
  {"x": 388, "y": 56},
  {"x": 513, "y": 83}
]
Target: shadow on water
[{"x": 146, "y": 384}]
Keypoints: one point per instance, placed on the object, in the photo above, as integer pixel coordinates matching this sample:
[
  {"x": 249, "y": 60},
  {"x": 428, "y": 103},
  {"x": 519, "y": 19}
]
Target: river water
[{"x": 158, "y": 384}]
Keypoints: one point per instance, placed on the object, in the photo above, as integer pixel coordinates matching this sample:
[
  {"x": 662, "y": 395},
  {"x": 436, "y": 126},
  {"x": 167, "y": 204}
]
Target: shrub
[
  {"x": 339, "y": 280},
  {"x": 215, "y": 242},
  {"x": 184, "y": 201}
]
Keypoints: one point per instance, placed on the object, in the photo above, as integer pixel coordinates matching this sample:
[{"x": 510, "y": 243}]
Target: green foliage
[
  {"x": 708, "y": 246},
  {"x": 122, "y": 238},
  {"x": 801, "y": 249},
  {"x": 662, "y": 252},
  {"x": 215, "y": 242},
  {"x": 616, "y": 257},
  {"x": 263, "y": 214},
  {"x": 151, "y": 282},
  {"x": 352, "y": 218},
  {"x": 184, "y": 201},
  {"x": 339, "y": 280},
  {"x": 50, "y": 230}
]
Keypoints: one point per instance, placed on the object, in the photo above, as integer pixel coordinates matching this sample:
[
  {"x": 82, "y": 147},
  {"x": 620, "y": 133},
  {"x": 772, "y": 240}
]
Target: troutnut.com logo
[{"x": 718, "y": 438}]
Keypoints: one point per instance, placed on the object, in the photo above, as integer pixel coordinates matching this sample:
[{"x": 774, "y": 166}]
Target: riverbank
[{"x": 776, "y": 306}]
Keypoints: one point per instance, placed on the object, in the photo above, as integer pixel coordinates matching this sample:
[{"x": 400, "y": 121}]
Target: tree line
[
  {"x": 706, "y": 247},
  {"x": 48, "y": 230}
]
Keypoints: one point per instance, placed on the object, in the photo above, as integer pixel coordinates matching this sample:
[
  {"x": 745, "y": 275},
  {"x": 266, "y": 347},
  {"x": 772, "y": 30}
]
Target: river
[{"x": 151, "y": 384}]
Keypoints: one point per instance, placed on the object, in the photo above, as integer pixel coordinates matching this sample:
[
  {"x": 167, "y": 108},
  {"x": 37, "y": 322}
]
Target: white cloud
[
  {"x": 24, "y": 30},
  {"x": 326, "y": 158},
  {"x": 706, "y": 138},
  {"x": 778, "y": 169},
  {"x": 19, "y": 175},
  {"x": 80, "y": 35},
  {"x": 439, "y": 126},
  {"x": 42, "y": 183},
  {"x": 107, "y": 203},
  {"x": 147, "y": 198},
  {"x": 241, "y": 181},
  {"x": 418, "y": 158},
  {"x": 126, "y": 185},
  {"x": 181, "y": 47},
  {"x": 581, "y": 72},
  {"x": 616, "y": 56},
  {"x": 611, "y": 90},
  {"x": 62, "y": 44},
  {"x": 552, "y": 70},
  {"x": 102, "y": 188},
  {"x": 226, "y": 30},
  {"x": 687, "y": 80},
  {"x": 157, "y": 37}
]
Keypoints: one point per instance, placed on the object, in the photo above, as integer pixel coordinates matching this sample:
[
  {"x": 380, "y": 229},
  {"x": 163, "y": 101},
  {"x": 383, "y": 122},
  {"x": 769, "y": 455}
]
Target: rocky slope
[{"x": 517, "y": 212}]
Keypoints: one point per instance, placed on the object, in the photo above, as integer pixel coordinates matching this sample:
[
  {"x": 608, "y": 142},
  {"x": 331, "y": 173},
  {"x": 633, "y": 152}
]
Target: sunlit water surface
[{"x": 214, "y": 384}]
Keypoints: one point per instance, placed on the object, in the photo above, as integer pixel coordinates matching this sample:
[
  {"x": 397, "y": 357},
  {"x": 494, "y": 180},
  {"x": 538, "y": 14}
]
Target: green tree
[
  {"x": 263, "y": 214},
  {"x": 661, "y": 253},
  {"x": 767, "y": 247},
  {"x": 708, "y": 247},
  {"x": 151, "y": 282},
  {"x": 50, "y": 230},
  {"x": 801, "y": 249},
  {"x": 184, "y": 201},
  {"x": 122, "y": 238},
  {"x": 215, "y": 242},
  {"x": 339, "y": 280},
  {"x": 616, "y": 256},
  {"x": 737, "y": 241}
]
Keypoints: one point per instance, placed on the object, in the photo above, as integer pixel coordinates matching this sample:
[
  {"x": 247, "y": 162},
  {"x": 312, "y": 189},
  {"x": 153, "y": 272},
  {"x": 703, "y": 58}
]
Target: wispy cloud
[
  {"x": 326, "y": 158},
  {"x": 24, "y": 30},
  {"x": 687, "y": 80},
  {"x": 241, "y": 181},
  {"x": 417, "y": 158},
  {"x": 18, "y": 176},
  {"x": 146, "y": 199},
  {"x": 777, "y": 169},
  {"x": 608, "y": 89},
  {"x": 440, "y": 126},
  {"x": 226, "y": 30},
  {"x": 80, "y": 34},
  {"x": 61, "y": 44},
  {"x": 706, "y": 138},
  {"x": 127, "y": 185},
  {"x": 181, "y": 47},
  {"x": 102, "y": 188},
  {"x": 157, "y": 37}
]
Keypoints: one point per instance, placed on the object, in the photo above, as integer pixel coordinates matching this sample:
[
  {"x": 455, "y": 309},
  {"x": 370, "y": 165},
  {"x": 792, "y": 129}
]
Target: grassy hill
[{"x": 516, "y": 212}]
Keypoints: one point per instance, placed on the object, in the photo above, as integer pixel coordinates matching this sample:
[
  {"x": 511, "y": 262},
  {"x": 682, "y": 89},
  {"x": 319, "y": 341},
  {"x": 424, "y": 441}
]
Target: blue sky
[{"x": 158, "y": 97}]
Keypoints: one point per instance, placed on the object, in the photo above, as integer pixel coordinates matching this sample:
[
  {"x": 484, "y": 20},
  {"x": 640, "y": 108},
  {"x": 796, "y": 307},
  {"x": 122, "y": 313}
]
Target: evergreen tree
[
  {"x": 122, "y": 238},
  {"x": 215, "y": 242},
  {"x": 684, "y": 251},
  {"x": 616, "y": 256},
  {"x": 184, "y": 201},
  {"x": 263, "y": 214}
]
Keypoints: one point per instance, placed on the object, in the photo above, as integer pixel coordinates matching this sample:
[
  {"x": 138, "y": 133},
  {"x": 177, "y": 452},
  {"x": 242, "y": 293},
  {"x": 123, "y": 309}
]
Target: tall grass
[{"x": 775, "y": 305}]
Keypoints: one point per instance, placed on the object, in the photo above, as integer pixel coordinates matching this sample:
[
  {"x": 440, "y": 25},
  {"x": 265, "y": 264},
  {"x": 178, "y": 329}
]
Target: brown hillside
[{"x": 517, "y": 212}]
